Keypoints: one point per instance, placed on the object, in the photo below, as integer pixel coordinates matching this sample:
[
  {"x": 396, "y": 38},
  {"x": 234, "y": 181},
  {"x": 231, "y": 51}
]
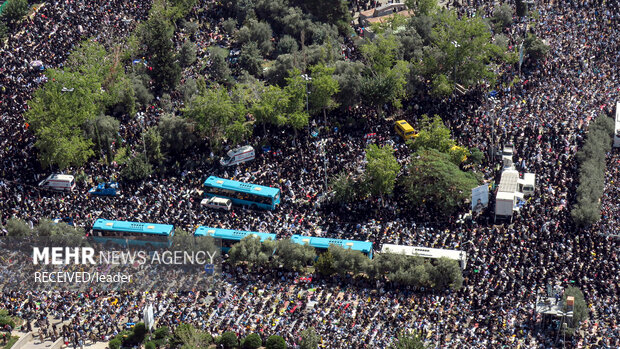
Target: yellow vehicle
[{"x": 405, "y": 130}]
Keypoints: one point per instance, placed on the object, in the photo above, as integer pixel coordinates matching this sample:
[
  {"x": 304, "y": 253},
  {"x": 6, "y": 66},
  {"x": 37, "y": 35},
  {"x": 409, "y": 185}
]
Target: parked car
[
  {"x": 105, "y": 189},
  {"x": 216, "y": 203}
]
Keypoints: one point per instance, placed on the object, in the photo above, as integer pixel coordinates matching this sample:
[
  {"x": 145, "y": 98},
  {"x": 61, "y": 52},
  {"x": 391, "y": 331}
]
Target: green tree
[
  {"x": 476, "y": 156},
  {"x": 139, "y": 82},
  {"x": 422, "y": 7},
  {"x": 295, "y": 109},
  {"x": 271, "y": 108},
  {"x": 349, "y": 77},
  {"x": 460, "y": 50},
  {"x": 344, "y": 187},
  {"x": 213, "y": 111},
  {"x": 156, "y": 36},
  {"x": 161, "y": 336},
  {"x": 325, "y": 264},
  {"x": 381, "y": 53},
  {"x": 176, "y": 136},
  {"x": 187, "y": 336},
  {"x": 275, "y": 342},
  {"x": 381, "y": 169},
  {"x": 17, "y": 228},
  {"x": 152, "y": 138},
  {"x": 323, "y": 88},
  {"x": 408, "y": 341},
  {"x": 347, "y": 261},
  {"x": 14, "y": 10},
  {"x": 252, "y": 341},
  {"x": 258, "y": 32},
  {"x": 252, "y": 252},
  {"x": 309, "y": 339},
  {"x": 187, "y": 55},
  {"x": 447, "y": 273},
  {"x": 380, "y": 89},
  {"x": 433, "y": 134},
  {"x": 57, "y": 113},
  {"x": 219, "y": 67},
  {"x": 137, "y": 168},
  {"x": 102, "y": 131},
  {"x": 115, "y": 343},
  {"x": 228, "y": 340},
  {"x": 250, "y": 59},
  {"x": 331, "y": 12},
  {"x": 287, "y": 44},
  {"x": 434, "y": 180},
  {"x": 502, "y": 16},
  {"x": 580, "y": 308},
  {"x": 60, "y": 234},
  {"x": 592, "y": 167},
  {"x": 535, "y": 48},
  {"x": 292, "y": 256}
]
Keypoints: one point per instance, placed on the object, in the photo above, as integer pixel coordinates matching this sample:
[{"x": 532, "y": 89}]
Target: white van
[
  {"x": 60, "y": 182},
  {"x": 527, "y": 185},
  {"x": 238, "y": 155},
  {"x": 216, "y": 203},
  {"x": 507, "y": 154}
]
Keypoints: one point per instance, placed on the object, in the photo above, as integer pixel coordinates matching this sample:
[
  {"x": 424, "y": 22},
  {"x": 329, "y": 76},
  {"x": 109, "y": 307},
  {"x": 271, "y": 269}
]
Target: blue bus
[
  {"x": 230, "y": 237},
  {"x": 124, "y": 234},
  {"x": 322, "y": 244},
  {"x": 240, "y": 193}
]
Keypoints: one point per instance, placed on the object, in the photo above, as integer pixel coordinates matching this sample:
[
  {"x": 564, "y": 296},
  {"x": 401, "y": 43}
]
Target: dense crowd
[{"x": 545, "y": 114}]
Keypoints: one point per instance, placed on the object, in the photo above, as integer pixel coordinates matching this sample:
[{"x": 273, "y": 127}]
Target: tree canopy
[
  {"x": 434, "y": 179},
  {"x": 381, "y": 169}
]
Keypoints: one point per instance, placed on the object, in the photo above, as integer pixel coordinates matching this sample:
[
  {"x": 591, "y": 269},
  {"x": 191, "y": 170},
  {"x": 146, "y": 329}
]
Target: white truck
[
  {"x": 238, "y": 155},
  {"x": 508, "y": 194},
  {"x": 58, "y": 182}
]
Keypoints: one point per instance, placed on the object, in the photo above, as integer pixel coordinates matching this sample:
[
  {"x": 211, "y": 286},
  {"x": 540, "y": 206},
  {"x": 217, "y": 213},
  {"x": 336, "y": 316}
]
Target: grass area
[{"x": 10, "y": 342}]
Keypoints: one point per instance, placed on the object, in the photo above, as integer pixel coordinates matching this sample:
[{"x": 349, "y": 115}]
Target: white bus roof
[{"x": 426, "y": 252}]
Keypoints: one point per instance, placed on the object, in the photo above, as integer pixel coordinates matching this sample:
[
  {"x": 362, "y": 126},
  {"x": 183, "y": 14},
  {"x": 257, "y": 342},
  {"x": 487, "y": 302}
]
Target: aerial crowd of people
[{"x": 545, "y": 115}]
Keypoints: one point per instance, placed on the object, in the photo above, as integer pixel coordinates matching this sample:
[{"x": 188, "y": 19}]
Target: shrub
[
  {"x": 228, "y": 340},
  {"x": 252, "y": 341},
  {"x": 115, "y": 343},
  {"x": 275, "y": 342}
]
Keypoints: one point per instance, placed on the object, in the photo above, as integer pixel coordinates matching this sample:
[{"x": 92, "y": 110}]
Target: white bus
[
  {"x": 425, "y": 252},
  {"x": 617, "y": 130}
]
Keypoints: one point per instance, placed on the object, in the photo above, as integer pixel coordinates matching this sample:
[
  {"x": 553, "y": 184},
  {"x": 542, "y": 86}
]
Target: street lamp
[
  {"x": 456, "y": 46},
  {"x": 324, "y": 163},
  {"x": 307, "y": 78},
  {"x": 142, "y": 120}
]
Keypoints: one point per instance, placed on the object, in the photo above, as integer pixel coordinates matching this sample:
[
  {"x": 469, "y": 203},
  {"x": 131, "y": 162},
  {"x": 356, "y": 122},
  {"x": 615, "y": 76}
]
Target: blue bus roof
[
  {"x": 136, "y": 227},
  {"x": 317, "y": 242},
  {"x": 229, "y": 234},
  {"x": 217, "y": 182}
]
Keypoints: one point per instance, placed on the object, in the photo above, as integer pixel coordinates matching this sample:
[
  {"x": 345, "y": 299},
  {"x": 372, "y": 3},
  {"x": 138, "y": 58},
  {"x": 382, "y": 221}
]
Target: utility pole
[{"x": 456, "y": 46}]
